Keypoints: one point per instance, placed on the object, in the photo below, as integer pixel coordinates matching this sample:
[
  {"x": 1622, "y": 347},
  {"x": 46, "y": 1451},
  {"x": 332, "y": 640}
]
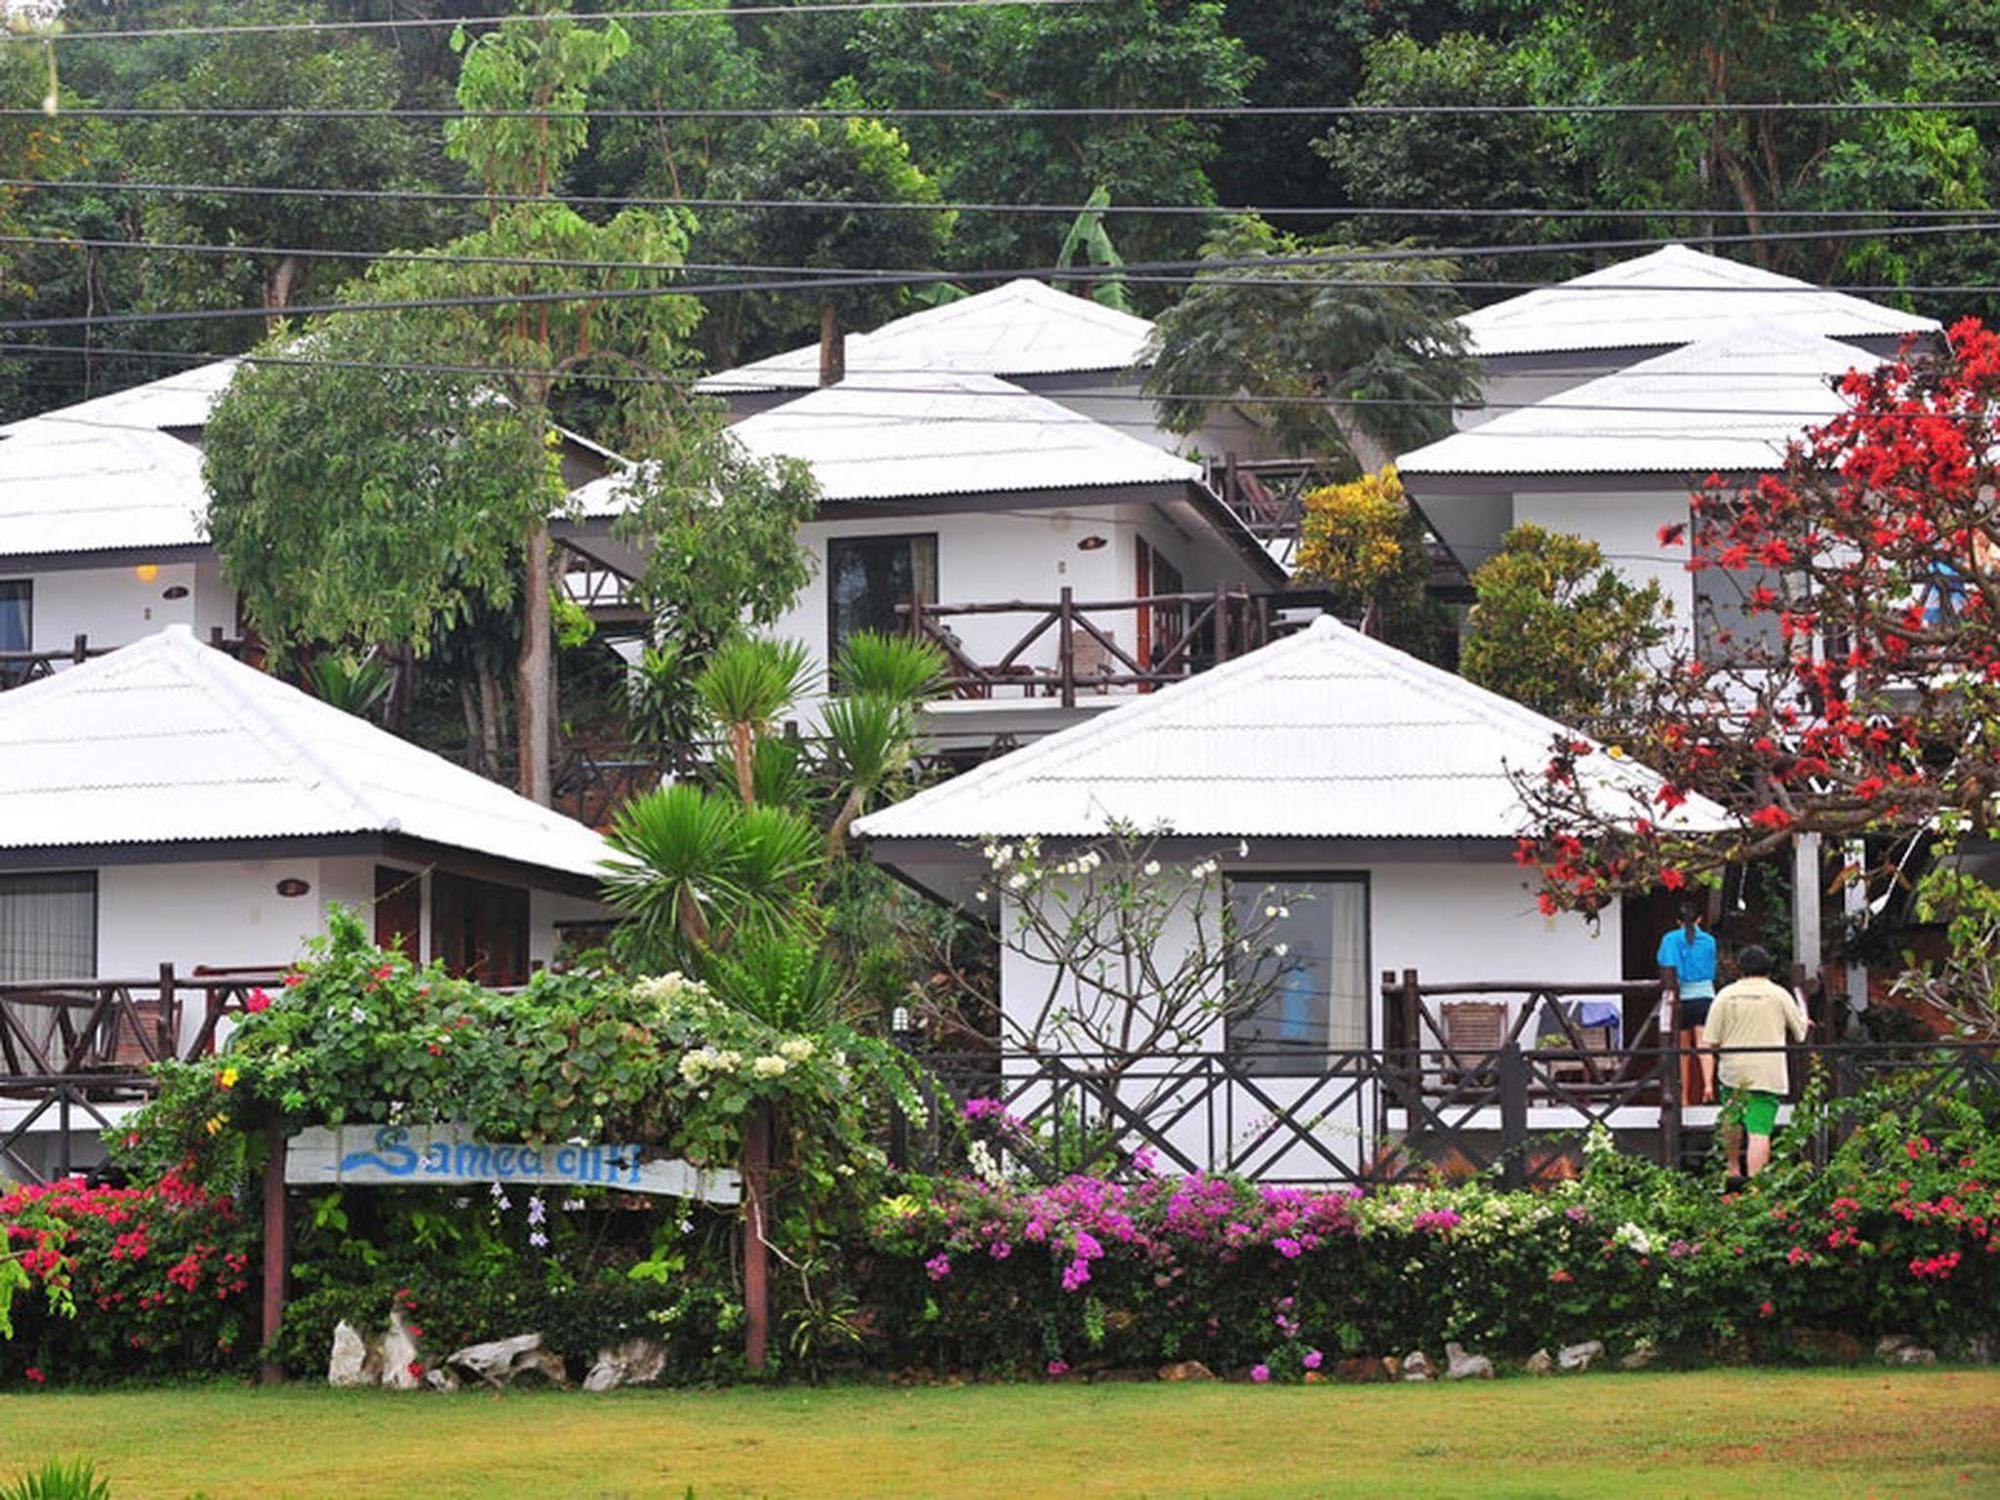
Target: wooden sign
[{"x": 444, "y": 1155}]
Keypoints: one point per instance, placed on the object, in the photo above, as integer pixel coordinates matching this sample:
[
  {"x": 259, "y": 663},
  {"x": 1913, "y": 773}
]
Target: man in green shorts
[{"x": 1749, "y": 1026}]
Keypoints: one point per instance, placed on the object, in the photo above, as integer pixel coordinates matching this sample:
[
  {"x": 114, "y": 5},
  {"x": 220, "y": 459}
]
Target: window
[
  {"x": 868, "y": 576},
  {"x": 479, "y": 930},
  {"x": 48, "y": 926},
  {"x": 17, "y": 614},
  {"x": 1319, "y": 1000}
]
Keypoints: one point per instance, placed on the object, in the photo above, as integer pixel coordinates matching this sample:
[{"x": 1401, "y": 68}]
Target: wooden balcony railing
[
  {"x": 18, "y": 668},
  {"x": 109, "y": 1031},
  {"x": 1069, "y": 647},
  {"x": 1267, "y": 495}
]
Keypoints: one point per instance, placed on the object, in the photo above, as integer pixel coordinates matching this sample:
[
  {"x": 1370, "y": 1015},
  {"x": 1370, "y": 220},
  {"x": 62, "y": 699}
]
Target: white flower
[
  {"x": 769, "y": 1066},
  {"x": 980, "y": 895},
  {"x": 1016, "y": 881},
  {"x": 1633, "y": 1238},
  {"x": 1270, "y": 911},
  {"x": 1243, "y": 848},
  {"x": 1151, "y": 867},
  {"x": 797, "y": 1050},
  {"x": 1282, "y": 949}
]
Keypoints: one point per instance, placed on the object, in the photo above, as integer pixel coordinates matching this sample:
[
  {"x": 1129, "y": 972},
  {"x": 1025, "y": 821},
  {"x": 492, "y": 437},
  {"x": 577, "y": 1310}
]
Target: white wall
[
  {"x": 115, "y": 606},
  {"x": 1626, "y": 524},
  {"x": 1452, "y": 922},
  {"x": 1510, "y": 390},
  {"x": 990, "y": 556}
]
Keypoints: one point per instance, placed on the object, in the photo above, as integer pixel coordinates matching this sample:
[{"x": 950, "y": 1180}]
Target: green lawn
[{"x": 1735, "y": 1433}]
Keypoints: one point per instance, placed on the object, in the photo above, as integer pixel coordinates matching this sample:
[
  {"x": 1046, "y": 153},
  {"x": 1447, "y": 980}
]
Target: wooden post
[
  {"x": 756, "y": 1252},
  {"x": 1806, "y": 892},
  {"x": 277, "y": 1249},
  {"x": 1221, "y": 625},
  {"x": 1066, "y": 646},
  {"x": 1413, "y": 1036},
  {"x": 832, "y": 346},
  {"x": 1670, "y": 1075},
  {"x": 80, "y": 650},
  {"x": 1513, "y": 1070},
  {"x": 167, "y": 1027}
]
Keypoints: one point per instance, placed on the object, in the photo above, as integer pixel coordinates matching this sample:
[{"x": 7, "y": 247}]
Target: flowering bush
[
  {"x": 1899, "y": 1233},
  {"x": 121, "y": 1280}
]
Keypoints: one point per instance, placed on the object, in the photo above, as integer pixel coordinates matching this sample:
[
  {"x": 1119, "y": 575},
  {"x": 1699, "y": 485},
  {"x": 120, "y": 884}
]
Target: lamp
[{"x": 146, "y": 572}]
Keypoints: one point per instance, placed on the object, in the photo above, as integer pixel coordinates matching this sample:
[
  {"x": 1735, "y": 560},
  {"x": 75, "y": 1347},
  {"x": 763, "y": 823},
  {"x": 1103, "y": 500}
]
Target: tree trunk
[
  {"x": 489, "y": 714},
  {"x": 278, "y": 289},
  {"x": 535, "y": 673},
  {"x": 1367, "y": 450}
]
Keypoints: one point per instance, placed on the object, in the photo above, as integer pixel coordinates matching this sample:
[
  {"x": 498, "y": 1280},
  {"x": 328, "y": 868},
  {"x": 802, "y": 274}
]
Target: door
[
  {"x": 867, "y": 577},
  {"x": 480, "y": 930},
  {"x": 399, "y": 910}
]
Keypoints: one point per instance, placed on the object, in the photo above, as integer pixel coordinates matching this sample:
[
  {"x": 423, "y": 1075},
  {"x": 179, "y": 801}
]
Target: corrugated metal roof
[
  {"x": 1022, "y": 327},
  {"x": 1730, "y": 404},
  {"x": 107, "y": 473},
  {"x": 1325, "y": 734},
  {"x": 168, "y": 740},
  {"x": 869, "y": 438},
  {"x": 1675, "y": 295}
]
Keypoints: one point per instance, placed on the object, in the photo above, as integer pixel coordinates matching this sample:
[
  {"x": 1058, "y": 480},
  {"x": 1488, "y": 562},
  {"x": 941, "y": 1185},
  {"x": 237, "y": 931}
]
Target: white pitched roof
[
  {"x": 169, "y": 740},
  {"x": 1019, "y": 328},
  {"x": 871, "y": 438},
  {"x": 1675, "y": 295},
  {"x": 1325, "y": 734},
  {"x": 106, "y": 473},
  {"x": 1730, "y": 404}
]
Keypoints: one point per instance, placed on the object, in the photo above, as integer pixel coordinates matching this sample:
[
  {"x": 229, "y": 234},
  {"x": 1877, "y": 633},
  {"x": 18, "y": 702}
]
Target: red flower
[
  {"x": 1672, "y": 879},
  {"x": 257, "y": 1002},
  {"x": 1766, "y": 1310},
  {"x": 1772, "y": 817},
  {"x": 414, "y": 1369},
  {"x": 35, "y": 1375}
]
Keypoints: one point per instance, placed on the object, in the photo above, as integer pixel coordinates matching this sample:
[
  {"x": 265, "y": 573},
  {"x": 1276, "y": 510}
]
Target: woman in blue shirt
[{"x": 1688, "y": 962}]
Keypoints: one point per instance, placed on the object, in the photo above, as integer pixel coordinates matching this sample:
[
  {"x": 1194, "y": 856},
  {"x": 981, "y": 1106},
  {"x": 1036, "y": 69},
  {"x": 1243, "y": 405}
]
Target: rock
[
  {"x": 1116, "y": 1375},
  {"x": 1579, "y": 1356},
  {"x": 443, "y": 1379},
  {"x": 402, "y": 1360},
  {"x": 1981, "y": 1349},
  {"x": 1392, "y": 1367},
  {"x": 1828, "y": 1346},
  {"x": 503, "y": 1361},
  {"x": 1541, "y": 1362},
  {"x": 1462, "y": 1366},
  {"x": 637, "y": 1361},
  {"x": 1362, "y": 1371},
  {"x": 1643, "y": 1354},
  {"x": 1315, "y": 1377},
  {"x": 1186, "y": 1369},
  {"x": 1901, "y": 1349},
  {"x": 1417, "y": 1366},
  {"x": 354, "y": 1360}
]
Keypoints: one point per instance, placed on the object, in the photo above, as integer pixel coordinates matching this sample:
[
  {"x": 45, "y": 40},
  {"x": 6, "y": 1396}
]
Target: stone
[
  {"x": 1579, "y": 1357},
  {"x": 1362, "y": 1371},
  {"x": 1417, "y": 1366},
  {"x": 1315, "y": 1377},
  {"x": 402, "y": 1360},
  {"x": 1901, "y": 1349},
  {"x": 502, "y": 1361},
  {"x": 637, "y": 1361},
  {"x": 354, "y": 1361},
  {"x": 443, "y": 1379},
  {"x": 1828, "y": 1346},
  {"x": 1642, "y": 1355},
  {"x": 1392, "y": 1367},
  {"x": 1458, "y": 1365},
  {"x": 1981, "y": 1349},
  {"x": 1541, "y": 1362},
  {"x": 1186, "y": 1369}
]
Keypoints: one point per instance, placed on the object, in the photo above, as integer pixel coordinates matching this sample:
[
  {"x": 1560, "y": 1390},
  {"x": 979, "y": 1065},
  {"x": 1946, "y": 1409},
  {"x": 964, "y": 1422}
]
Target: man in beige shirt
[{"x": 1749, "y": 1026}]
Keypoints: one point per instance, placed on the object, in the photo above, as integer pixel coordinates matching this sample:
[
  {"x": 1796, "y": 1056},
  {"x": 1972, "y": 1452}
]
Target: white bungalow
[
  {"x": 1551, "y": 340},
  {"x": 103, "y": 522},
  {"x": 1375, "y": 793},
  {"x": 172, "y": 821},
  {"x": 1016, "y": 531},
  {"x": 1617, "y": 458}
]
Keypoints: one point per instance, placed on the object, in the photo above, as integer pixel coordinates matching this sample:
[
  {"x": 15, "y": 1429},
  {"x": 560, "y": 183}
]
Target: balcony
[
  {"x": 19, "y": 668},
  {"x": 1064, "y": 650}
]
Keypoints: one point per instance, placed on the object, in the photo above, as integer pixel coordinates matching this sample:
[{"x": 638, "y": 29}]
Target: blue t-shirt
[{"x": 1692, "y": 959}]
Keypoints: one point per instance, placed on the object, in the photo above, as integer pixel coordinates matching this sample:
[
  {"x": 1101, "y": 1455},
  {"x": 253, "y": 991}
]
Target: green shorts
[{"x": 1756, "y": 1109}]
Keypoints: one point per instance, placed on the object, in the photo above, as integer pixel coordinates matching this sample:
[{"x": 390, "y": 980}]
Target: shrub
[{"x": 74, "y": 1479}]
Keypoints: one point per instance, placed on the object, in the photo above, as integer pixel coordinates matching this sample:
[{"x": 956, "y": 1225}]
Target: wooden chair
[
  {"x": 1094, "y": 661},
  {"x": 1474, "y": 1031}
]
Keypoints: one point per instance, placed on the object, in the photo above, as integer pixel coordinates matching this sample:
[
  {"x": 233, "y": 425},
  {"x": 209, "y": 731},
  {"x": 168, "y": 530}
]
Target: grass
[{"x": 1718, "y": 1434}]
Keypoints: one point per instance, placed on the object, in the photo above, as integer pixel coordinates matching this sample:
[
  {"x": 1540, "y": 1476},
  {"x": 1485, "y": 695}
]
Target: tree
[
  {"x": 1124, "y": 52},
  {"x": 847, "y": 159},
  {"x": 1364, "y": 357},
  {"x": 358, "y": 503},
  {"x": 1556, "y": 628},
  {"x": 303, "y": 71},
  {"x": 1857, "y": 697},
  {"x": 1441, "y": 162},
  {"x": 1364, "y": 543}
]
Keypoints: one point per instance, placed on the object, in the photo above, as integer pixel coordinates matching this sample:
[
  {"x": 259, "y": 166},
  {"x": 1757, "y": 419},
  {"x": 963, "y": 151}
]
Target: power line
[
  {"x": 1813, "y": 107},
  {"x": 1193, "y": 269},
  {"x": 653, "y": 13},
  {"x": 1195, "y": 210}
]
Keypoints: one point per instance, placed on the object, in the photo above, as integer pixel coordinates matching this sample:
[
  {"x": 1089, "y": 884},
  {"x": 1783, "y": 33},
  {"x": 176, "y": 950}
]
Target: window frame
[
  {"x": 833, "y": 639},
  {"x": 27, "y": 588},
  {"x": 93, "y": 886},
  {"x": 1313, "y": 1062}
]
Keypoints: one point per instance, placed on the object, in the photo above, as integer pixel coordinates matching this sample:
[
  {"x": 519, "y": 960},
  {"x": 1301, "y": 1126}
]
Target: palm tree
[{"x": 744, "y": 687}]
